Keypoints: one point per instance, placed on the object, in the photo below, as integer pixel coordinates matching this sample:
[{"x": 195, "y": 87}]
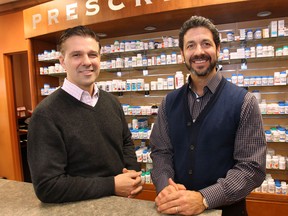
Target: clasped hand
[
  {"x": 175, "y": 199},
  {"x": 128, "y": 184}
]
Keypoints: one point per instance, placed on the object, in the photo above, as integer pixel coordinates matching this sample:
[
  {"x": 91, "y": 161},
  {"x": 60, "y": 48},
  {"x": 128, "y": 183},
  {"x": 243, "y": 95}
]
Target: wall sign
[{"x": 58, "y": 15}]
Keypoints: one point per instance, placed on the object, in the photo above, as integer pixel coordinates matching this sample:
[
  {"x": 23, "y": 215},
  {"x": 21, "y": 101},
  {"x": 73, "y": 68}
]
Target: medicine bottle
[
  {"x": 275, "y": 162},
  {"x": 249, "y": 34},
  {"x": 282, "y": 163},
  {"x": 271, "y": 186},
  {"x": 268, "y": 161},
  {"x": 179, "y": 79},
  {"x": 234, "y": 79},
  {"x": 174, "y": 58},
  {"x": 277, "y": 187},
  {"x": 284, "y": 188},
  {"x": 264, "y": 187},
  {"x": 170, "y": 82},
  {"x": 247, "y": 52},
  {"x": 259, "y": 50},
  {"x": 263, "y": 108},
  {"x": 163, "y": 59},
  {"x": 264, "y": 80},
  {"x": 285, "y": 50},
  {"x": 258, "y": 34},
  {"x": 230, "y": 36},
  {"x": 279, "y": 51},
  {"x": 116, "y": 46},
  {"x": 145, "y": 156},
  {"x": 283, "y": 78},
  {"x": 257, "y": 94},
  {"x": 225, "y": 54},
  {"x": 143, "y": 179},
  {"x": 282, "y": 136}
]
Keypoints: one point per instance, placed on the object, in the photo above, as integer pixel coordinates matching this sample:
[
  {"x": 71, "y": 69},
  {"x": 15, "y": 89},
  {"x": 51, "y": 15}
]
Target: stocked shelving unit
[{"x": 260, "y": 66}]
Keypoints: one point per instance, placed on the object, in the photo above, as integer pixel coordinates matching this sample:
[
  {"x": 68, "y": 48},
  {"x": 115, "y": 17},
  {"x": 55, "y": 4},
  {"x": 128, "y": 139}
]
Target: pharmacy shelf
[
  {"x": 55, "y": 74},
  {"x": 135, "y": 52},
  {"x": 148, "y": 193},
  {"x": 49, "y": 61},
  {"x": 252, "y": 60},
  {"x": 139, "y": 68},
  {"x": 254, "y": 42},
  {"x": 268, "y": 197}
]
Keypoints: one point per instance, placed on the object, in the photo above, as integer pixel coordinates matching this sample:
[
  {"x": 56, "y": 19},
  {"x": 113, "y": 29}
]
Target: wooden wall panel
[{"x": 12, "y": 41}]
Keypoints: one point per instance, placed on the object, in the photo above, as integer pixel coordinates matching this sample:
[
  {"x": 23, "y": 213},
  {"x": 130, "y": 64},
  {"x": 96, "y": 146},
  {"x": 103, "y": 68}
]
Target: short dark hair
[
  {"x": 198, "y": 21},
  {"x": 77, "y": 31}
]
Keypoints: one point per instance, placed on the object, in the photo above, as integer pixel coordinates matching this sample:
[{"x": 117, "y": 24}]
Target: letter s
[{"x": 90, "y": 5}]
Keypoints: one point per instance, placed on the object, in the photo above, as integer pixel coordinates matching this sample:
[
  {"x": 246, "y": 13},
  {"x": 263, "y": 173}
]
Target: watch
[{"x": 205, "y": 203}]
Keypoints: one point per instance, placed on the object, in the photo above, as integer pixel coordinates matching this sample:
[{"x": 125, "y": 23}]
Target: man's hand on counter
[
  {"x": 128, "y": 184},
  {"x": 175, "y": 199}
]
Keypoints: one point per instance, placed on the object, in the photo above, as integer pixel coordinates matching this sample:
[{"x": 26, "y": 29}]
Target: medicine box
[
  {"x": 273, "y": 28},
  {"x": 281, "y": 28}
]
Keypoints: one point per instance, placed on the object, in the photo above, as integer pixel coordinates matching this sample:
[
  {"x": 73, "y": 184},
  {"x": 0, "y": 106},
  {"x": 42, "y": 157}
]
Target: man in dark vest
[{"x": 208, "y": 143}]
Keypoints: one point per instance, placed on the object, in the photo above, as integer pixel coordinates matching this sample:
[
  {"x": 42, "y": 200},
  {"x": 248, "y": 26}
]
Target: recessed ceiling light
[
  {"x": 264, "y": 14},
  {"x": 150, "y": 28},
  {"x": 101, "y": 35}
]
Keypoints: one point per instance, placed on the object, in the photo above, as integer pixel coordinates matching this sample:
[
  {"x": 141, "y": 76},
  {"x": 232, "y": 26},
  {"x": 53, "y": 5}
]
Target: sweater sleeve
[{"x": 47, "y": 158}]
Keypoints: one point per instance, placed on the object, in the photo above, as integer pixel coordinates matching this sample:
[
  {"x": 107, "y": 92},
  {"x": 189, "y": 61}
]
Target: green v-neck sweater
[{"x": 75, "y": 150}]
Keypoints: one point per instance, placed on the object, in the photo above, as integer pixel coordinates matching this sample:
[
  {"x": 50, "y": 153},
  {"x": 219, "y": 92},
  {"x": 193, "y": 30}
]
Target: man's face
[
  {"x": 81, "y": 60},
  {"x": 199, "y": 51}
]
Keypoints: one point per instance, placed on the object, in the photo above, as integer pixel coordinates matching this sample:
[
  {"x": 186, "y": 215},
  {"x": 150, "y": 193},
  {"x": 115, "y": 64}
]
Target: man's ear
[
  {"x": 182, "y": 54},
  {"x": 218, "y": 51},
  {"x": 61, "y": 60}
]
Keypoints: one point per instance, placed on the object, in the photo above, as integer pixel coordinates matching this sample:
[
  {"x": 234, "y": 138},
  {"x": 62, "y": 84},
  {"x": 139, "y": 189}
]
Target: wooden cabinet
[{"x": 267, "y": 204}]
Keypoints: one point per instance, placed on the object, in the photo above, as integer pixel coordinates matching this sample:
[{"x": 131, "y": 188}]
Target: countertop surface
[{"x": 18, "y": 198}]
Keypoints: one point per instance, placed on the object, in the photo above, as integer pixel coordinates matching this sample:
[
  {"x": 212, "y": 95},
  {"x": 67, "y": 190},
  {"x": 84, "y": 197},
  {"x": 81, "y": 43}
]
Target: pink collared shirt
[{"x": 80, "y": 94}]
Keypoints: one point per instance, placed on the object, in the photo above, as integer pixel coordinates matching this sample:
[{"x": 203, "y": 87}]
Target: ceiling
[{"x": 220, "y": 14}]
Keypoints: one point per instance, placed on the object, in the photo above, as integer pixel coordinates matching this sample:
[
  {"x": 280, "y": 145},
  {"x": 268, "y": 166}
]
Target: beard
[{"x": 211, "y": 67}]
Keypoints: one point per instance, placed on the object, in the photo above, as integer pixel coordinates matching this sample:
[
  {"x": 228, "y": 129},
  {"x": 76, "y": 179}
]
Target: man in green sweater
[{"x": 79, "y": 144}]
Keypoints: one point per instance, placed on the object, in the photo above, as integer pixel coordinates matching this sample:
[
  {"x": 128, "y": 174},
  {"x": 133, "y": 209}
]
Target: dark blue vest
[{"x": 203, "y": 150}]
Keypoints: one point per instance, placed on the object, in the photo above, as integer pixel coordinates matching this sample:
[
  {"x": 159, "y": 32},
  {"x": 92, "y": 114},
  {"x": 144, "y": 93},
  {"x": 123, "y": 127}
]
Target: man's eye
[
  {"x": 206, "y": 44},
  {"x": 190, "y": 46},
  {"x": 94, "y": 55}
]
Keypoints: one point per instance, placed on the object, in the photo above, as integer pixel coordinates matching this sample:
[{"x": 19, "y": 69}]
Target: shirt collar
[
  {"x": 75, "y": 91},
  {"x": 212, "y": 84}
]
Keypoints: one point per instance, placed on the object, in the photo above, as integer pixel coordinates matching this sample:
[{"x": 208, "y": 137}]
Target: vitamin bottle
[
  {"x": 179, "y": 79},
  {"x": 264, "y": 187},
  {"x": 268, "y": 162},
  {"x": 282, "y": 163}
]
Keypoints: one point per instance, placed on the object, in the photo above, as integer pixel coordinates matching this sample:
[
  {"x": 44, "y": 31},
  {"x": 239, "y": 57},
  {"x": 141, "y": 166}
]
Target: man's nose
[
  {"x": 199, "y": 49},
  {"x": 86, "y": 60}
]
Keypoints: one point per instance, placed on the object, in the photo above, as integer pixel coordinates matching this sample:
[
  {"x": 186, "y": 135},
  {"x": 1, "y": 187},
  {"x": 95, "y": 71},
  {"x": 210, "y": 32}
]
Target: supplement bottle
[
  {"x": 249, "y": 34},
  {"x": 179, "y": 79}
]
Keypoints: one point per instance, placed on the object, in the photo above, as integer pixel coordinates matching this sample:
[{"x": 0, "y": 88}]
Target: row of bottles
[
  {"x": 142, "y": 61},
  {"x": 277, "y": 134},
  {"x": 117, "y": 85},
  {"x": 279, "y": 78},
  {"x": 136, "y": 45},
  {"x": 272, "y": 186}
]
